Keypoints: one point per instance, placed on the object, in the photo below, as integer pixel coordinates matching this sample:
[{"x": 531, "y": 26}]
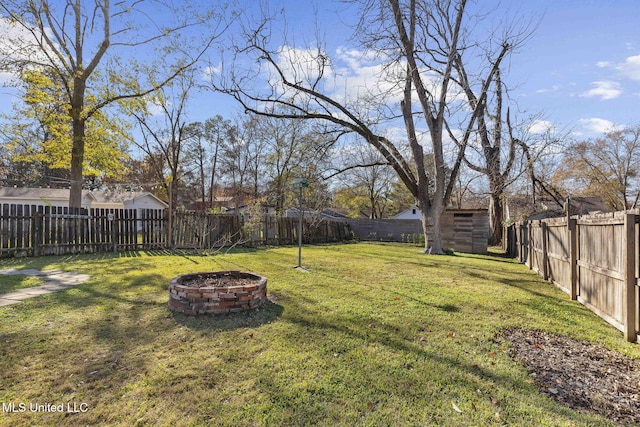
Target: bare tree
[
  {"x": 72, "y": 39},
  {"x": 497, "y": 153},
  {"x": 288, "y": 149},
  {"x": 205, "y": 145},
  {"x": 425, "y": 51},
  {"x": 166, "y": 133},
  {"x": 239, "y": 162},
  {"x": 608, "y": 166},
  {"x": 367, "y": 176}
]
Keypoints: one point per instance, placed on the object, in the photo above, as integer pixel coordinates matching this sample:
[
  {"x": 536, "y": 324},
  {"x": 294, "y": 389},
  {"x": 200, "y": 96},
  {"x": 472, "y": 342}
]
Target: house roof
[
  {"x": 101, "y": 196},
  {"x": 63, "y": 194},
  {"x": 405, "y": 211},
  {"x": 36, "y": 193},
  {"x": 584, "y": 205},
  {"x": 580, "y": 205}
]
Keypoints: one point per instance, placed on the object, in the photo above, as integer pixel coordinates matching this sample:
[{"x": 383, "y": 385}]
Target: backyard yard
[{"x": 372, "y": 335}]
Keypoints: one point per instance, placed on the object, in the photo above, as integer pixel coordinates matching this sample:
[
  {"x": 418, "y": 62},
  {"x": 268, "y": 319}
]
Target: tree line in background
[{"x": 88, "y": 118}]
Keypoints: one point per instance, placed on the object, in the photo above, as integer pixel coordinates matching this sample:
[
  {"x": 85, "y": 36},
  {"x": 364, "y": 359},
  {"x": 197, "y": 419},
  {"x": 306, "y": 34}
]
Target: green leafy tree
[
  {"x": 366, "y": 177},
  {"x": 80, "y": 45},
  {"x": 39, "y": 132}
]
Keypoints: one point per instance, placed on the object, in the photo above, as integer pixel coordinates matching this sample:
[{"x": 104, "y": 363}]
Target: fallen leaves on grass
[{"x": 580, "y": 375}]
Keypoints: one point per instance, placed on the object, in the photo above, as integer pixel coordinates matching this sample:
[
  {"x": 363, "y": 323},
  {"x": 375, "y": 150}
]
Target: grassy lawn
[
  {"x": 13, "y": 283},
  {"x": 374, "y": 335}
]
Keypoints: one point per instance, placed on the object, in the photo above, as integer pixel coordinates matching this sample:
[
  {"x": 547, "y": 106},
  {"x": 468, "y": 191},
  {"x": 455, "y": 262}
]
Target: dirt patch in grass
[{"x": 580, "y": 375}]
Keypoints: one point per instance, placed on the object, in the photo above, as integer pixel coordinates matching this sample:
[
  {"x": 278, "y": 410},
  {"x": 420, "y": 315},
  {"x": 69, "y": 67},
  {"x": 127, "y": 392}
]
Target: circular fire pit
[{"x": 216, "y": 292}]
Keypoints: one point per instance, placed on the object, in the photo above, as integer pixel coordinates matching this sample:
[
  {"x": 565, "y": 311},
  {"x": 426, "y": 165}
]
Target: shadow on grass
[
  {"x": 96, "y": 294},
  {"x": 463, "y": 373},
  {"x": 547, "y": 299},
  {"x": 265, "y": 314},
  {"x": 449, "y": 308}
]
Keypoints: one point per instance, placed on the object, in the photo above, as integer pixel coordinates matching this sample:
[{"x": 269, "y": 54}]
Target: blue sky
[
  {"x": 580, "y": 70},
  {"x": 582, "y": 66}
]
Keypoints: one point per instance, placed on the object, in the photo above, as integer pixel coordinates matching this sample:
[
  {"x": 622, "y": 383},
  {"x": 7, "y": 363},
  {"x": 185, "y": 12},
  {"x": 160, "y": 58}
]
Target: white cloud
[
  {"x": 212, "y": 70},
  {"x": 19, "y": 45},
  {"x": 603, "y": 64},
  {"x": 6, "y": 78},
  {"x": 631, "y": 67},
  {"x": 553, "y": 88},
  {"x": 17, "y": 42},
  {"x": 362, "y": 80},
  {"x": 541, "y": 127},
  {"x": 597, "y": 125},
  {"x": 302, "y": 66},
  {"x": 361, "y": 74},
  {"x": 605, "y": 89}
]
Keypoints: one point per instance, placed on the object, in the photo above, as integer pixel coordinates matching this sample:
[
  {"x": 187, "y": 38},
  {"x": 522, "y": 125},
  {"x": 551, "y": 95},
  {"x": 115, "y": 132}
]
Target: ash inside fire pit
[
  {"x": 216, "y": 282},
  {"x": 217, "y": 292}
]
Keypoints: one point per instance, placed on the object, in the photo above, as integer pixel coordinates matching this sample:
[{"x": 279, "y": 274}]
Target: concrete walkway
[{"x": 55, "y": 280}]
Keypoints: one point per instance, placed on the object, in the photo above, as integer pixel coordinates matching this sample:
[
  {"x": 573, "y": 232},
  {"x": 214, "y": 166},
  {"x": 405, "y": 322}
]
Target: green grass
[
  {"x": 374, "y": 335},
  {"x": 14, "y": 282}
]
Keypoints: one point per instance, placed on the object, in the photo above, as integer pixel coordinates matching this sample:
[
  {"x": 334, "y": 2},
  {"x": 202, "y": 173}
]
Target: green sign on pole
[{"x": 300, "y": 183}]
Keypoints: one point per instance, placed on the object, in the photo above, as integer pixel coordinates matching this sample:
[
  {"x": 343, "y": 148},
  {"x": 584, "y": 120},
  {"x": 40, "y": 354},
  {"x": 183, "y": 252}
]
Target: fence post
[
  {"x": 545, "y": 251},
  {"x": 572, "y": 225},
  {"x": 629, "y": 292},
  {"x": 114, "y": 236},
  {"x": 36, "y": 232},
  {"x": 530, "y": 244}
]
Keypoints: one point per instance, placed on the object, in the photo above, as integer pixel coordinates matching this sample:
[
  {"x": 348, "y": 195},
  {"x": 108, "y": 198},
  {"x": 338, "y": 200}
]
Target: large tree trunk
[
  {"x": 431, "y": 214},
  {"x": 212, "y": 187},
  {"x": 77, "y": 157},
  {"x": 77, "y": 149},
  {"x": 496, "y": 217}
]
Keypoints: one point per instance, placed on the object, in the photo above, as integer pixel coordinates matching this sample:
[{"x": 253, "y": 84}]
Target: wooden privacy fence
[
  {"x": 49, "y": 230},
  {"x": 592, "y": 258},
  {"x": 30, "y": 230},
  {"x": 462, "y": 230},
  {"x": 202, "y": 230}
]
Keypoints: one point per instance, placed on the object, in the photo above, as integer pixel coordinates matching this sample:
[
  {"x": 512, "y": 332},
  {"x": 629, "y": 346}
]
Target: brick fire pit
[{"x": 217, "y": 292}]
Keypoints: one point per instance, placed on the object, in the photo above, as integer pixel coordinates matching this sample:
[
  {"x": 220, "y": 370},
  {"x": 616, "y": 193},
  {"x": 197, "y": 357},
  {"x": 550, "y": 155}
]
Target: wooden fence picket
[
  {"x": 594, "y": 259},
  {"x": 51, "y": 230}
]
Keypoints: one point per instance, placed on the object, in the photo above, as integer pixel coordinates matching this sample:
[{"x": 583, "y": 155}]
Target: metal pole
[
  {"x": 300, "y": 217},
  {"x": 170, "y": 216}
]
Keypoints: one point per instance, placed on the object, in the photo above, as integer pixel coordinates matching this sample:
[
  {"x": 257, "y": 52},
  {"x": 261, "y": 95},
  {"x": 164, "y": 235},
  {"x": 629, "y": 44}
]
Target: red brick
[
  {"x": 210, "y": 295},
  {"x": 227, "y": 303}
]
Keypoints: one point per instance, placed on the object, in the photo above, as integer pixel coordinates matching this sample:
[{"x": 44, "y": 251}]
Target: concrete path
[{"x": 55, "y": 280}]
